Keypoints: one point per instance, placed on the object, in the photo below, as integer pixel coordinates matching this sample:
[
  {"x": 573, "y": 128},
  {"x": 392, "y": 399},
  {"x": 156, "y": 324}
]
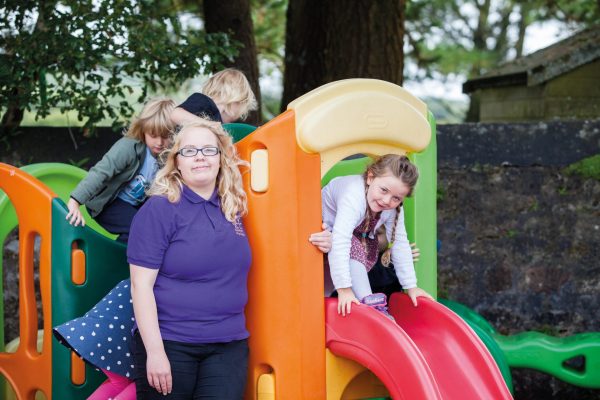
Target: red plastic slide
[{"x": 431, "y": 353}]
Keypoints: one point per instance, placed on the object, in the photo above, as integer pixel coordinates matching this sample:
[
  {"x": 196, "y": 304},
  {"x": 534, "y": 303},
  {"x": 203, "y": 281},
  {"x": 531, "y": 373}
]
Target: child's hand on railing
[
  {"x": 345, "y": 299},
  {"x": 322, "y": 240},
  {"x": 415, "y": 292},
  {"x": 74, "y": 216}
]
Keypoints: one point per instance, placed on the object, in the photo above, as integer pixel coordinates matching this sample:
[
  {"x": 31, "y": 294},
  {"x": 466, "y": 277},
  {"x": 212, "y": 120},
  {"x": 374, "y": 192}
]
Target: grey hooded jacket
[{"x": 105, "y": 179}]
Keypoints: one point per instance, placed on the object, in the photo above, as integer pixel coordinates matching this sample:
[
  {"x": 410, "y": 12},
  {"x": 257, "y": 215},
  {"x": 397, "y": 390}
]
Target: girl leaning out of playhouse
[
  {"x": 114, "y": 188},
  {"x": 355, "y": 206}
]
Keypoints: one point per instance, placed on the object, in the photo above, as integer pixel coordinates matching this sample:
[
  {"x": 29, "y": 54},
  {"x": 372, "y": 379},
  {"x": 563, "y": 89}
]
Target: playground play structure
[{"x": 300, "y": 347}]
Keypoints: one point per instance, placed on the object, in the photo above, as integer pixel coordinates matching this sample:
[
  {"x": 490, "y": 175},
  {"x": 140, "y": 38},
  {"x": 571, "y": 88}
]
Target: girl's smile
[{"x": 385, "y": 192}]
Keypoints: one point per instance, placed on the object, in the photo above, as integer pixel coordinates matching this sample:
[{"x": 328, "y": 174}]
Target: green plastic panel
[
  {"x": 239, "y": 131},
  {"x": 106, "y": 265},
  {"x": 538, "y": 351},
  {"x": 355, "y": 166},
  {"x": 61, "y": 179},
  {"x": 551, "y": 355},
  {"x": 421, "y": 214}
]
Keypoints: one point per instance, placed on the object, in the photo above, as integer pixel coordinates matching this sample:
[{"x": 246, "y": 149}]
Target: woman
[{"x": 189, "y": 258}]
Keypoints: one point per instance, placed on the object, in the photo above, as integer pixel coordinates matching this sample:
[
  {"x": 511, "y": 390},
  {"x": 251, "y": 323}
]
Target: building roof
[{"x": 543, "y": 65}]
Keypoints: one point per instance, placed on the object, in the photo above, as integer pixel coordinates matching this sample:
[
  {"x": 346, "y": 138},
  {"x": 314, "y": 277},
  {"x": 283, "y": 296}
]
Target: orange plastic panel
[
  {"x": 285, "y": 310},
  {"x": 78, "y": 266},
  {"x": 77, "y": 369},
  {"x": 27, "y": 370}
]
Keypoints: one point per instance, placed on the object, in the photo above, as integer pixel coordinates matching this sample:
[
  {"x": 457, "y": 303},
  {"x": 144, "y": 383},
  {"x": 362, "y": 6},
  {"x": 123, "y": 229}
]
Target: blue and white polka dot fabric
[{"x": 103, "y": 335}]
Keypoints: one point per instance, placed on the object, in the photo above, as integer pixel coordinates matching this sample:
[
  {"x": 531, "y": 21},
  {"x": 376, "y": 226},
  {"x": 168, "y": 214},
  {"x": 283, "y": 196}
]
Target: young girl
[
  {"x": 355, "y": 206},
  {"x": 228, "y": 89},
  {"x": 114, "y": 188}
]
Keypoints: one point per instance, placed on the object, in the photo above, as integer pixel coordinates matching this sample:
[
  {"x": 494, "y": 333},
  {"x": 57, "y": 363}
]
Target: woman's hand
[
  {"x": 415, "y": 292},
  {"x": 158, "y": 371},
  {"x": 322, "y": 240},
  {"x": 74, "y": 216},
  {"x": 345, "y": 299}
]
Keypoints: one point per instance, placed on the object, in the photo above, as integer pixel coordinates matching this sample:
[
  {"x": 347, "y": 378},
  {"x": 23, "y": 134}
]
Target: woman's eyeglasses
[{"x": 192, "y": 151}]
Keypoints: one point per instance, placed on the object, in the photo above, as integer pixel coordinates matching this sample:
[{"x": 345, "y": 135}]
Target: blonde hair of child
[
  {"x": 231, "y": 86},
  {"x": 169, "y": 182},
  {"x": 154, "y": 119},
  {"x": 401, "y": 168}
]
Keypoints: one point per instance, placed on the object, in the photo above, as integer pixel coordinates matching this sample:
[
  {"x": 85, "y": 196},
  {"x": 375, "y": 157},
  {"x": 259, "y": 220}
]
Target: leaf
[{"x": 84, "y": 55}]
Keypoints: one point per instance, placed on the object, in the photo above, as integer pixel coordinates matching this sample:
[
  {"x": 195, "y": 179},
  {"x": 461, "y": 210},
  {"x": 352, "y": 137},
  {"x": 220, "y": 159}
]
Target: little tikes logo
[
  {"x": 376, "y": 121},
  {"x": 238, "y": 227}
]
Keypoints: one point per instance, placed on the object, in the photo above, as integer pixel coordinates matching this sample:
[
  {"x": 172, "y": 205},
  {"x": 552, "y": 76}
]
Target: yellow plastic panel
[
  {"x": 266, "y": 387},
  {"x": 360, "y": 116},
  {"x": 347, "y": 379},
  {"x": 259, "y": 170}
]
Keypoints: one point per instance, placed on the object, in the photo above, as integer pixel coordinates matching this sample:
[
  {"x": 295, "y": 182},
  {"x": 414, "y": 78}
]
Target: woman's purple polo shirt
[{"x": 202, "y": 261}]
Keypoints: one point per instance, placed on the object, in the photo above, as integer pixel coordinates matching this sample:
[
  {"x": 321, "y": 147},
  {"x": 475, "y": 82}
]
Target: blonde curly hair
[
  {"x": 169, "y": 182},
  {"x": 231, "y": 86}
]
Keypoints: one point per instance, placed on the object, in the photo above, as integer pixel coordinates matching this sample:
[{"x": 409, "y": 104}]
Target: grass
[
  {"x": 587, "y": 168},
  {"x": 441, "y": 194},
  {"x": 57, "y": 118},
  {"x": 511, "y": 233}
]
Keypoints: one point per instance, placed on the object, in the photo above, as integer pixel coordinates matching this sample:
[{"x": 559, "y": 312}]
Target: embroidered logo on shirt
[{"x": 238, "y": 227}]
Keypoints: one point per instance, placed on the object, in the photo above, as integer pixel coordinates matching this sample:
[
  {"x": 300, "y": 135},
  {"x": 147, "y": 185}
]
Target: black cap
[{"x": 202, "y": 106}]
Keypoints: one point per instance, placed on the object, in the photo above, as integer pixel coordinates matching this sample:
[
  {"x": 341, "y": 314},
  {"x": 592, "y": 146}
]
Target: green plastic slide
[{"x": 574, "y": 359}]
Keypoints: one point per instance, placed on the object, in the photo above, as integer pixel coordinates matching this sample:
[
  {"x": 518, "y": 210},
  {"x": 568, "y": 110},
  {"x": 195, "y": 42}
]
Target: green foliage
[
  {"x": 441, "y": 194},
  {"x": 511, "y": 233},
  {"x": 268, "y": 18},
  {"x": 534, "y": 205},
  {"x": 587, "y": 168},
  {"x": 469, "y": 37},
  {"x": 89, "y": 55},
  {"x": 79, "y": 163},
  {"x": 548, "y": 330},
  {"x": 585, "y": 12}
]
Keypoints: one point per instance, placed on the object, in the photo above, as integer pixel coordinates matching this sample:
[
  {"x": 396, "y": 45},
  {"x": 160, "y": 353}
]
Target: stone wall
[{"x": 520, "y": 239}]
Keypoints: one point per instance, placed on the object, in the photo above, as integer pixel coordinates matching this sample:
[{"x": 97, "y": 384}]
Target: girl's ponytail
[{"x": 386, "y": 257}]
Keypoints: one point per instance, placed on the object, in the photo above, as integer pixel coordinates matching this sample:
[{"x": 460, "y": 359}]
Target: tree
[
  {"x": 87, "y": 55},
  {"x": 268, "y": 17},
  {"x": 468, "y": 37},
  {"x": 234, "y": 18},
  {"x": 330, "y": 40}
]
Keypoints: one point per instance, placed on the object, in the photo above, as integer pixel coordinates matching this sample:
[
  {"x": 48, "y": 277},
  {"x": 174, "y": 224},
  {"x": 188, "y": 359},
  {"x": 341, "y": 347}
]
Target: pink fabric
[
  {"x": 363, "y": 247},
  {"x": 116, "y": 387},
  {"x": 128, "y": 393}
]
